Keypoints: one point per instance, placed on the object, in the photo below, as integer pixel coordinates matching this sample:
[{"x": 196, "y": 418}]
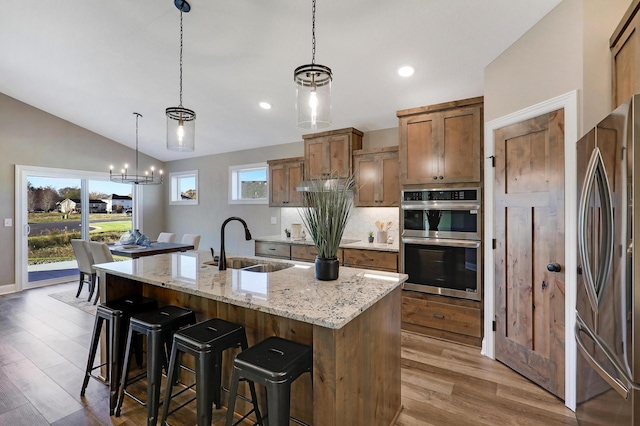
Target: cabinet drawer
[
  {"x": 456, "y": 319},
  {"x": 372, "y": 259},
  {"x": 308, "y": 253},
  {"x": 273, "y": 250}
]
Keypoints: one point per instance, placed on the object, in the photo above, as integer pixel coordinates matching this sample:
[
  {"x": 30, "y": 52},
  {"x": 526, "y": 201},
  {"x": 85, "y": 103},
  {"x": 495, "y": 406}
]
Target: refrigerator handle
[
  {"x": 595, "y": 177},
  {"x": 615, "y": 383}
]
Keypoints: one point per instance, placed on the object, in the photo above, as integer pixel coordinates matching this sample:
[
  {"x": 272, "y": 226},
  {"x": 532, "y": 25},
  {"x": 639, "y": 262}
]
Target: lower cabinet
[
  {"x": 444, "y": 317},
  {"x": 308, "y": 253},
  {"x": 277, "y": 250},
  {"x": 371, "y": 259}
]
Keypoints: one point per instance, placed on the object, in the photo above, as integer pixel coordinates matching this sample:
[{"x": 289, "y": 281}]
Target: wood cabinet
[
  {"x": 371, "y": 259},
  {"x": 625, "y": 56},
  {"x": 308, "y": 253},
  {"x": 284, "y": 176},
  {"x": 328, "y": 153},
  {"x": 448, "y": 318},
  {"x": 377, "y": 180},
  {"x": 277, "y": 250},
  {"x": 441, "y": 143}
]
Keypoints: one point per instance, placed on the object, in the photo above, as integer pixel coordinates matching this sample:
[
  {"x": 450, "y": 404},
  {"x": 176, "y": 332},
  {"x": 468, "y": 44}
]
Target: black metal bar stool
[
  {"x": 275, "y": 363},
  {"x": 117, "y": 314},
  {"x": 206, "y": 341},
  {"x": 158, "y": 326}
]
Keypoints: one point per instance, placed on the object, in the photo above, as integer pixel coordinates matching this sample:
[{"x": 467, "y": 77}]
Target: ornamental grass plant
[{"x": 326, "y": 211}]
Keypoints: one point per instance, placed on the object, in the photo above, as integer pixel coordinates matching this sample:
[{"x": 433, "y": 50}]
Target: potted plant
[
  {"x": 287, "y": 232},
  {"x": 370, "y": 236},
  {"x": 327, "y": 208}
]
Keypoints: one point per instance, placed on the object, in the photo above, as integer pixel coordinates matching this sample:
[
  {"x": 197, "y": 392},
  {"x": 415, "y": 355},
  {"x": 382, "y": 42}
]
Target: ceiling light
[
  {"x": 148, "y": 178},
  {"x": 265, "y": 105},
  {"x": 313, "y": 88},
  {"x": 181, "y": 122},
  {"x": 405, "y": 71}
]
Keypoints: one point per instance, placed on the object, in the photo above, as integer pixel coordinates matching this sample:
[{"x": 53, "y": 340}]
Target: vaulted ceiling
[{"x": 95, "y": 63}]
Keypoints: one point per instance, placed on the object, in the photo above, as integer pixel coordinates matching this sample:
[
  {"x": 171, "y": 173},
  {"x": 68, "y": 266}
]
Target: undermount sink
[{"x": 253, "y": 265}]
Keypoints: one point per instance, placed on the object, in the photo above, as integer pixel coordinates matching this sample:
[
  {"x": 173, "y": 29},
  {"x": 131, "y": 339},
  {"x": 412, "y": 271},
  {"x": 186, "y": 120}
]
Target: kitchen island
[{"x": 353, "y": 324}]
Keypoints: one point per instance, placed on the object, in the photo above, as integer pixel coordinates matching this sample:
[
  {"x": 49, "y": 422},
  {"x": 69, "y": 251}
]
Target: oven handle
[
  {"x": 441, "y": 242},
  {"x": 430, "y": 205}
]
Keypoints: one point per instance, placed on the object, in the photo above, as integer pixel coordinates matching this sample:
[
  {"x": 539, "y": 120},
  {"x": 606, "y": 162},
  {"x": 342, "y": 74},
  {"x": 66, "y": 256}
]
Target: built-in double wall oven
[{"x": 441, "y": 241}]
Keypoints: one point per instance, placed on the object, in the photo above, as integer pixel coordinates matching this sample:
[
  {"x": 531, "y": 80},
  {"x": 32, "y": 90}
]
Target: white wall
[{"x": 31, "y": 137}]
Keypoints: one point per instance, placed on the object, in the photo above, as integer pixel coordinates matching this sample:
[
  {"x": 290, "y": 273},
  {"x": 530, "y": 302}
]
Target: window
[
  {"x": 248, "y": 184},
  {"x": 184, "y": 187}
]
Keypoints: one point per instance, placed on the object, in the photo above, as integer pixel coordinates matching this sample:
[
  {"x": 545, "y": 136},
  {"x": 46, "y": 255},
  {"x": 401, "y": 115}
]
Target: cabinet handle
[
  {"x": 272, "y": 249},
  {"x": 437, "y": 316},
  {"x": 435, "y": 178},
  {"x": 441, "y": 177}
]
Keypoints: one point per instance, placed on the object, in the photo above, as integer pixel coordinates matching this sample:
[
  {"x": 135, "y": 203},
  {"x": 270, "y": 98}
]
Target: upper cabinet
[
  {"x": 284, "y": 176},
  {"x": 441, "y": 143},
  {"x": 625, "y": 54},
  {"x": 377, "y": 183},
  {"x": 328, "y": 153}
]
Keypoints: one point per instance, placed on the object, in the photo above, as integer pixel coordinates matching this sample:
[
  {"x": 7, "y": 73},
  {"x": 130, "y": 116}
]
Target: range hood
[{"x": 322, "y": 185}]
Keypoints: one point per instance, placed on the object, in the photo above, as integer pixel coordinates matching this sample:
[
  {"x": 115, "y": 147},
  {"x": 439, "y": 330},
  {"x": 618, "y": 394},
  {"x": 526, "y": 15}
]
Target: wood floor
[{"x": 44, "y": 345}]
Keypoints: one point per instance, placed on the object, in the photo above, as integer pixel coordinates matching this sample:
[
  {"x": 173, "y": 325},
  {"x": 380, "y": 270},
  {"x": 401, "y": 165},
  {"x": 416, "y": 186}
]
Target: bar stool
[
  {"x": 275, "y": 363},
  {"x": 205, "y": 341},
  {"x": 117, "y": 314},
  {"x": 158, "y": 326}
]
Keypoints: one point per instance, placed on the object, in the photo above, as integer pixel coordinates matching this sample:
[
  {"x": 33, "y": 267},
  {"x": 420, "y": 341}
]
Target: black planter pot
[{"x": 327, "y": 269}]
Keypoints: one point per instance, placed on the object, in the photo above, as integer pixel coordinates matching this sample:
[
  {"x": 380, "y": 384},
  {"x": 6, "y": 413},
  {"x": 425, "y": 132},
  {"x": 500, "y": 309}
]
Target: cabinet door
[
  {"x": 277, "y": 185},
  {"x": 625, "y": 57},
  {"x": 459, "y": 149},
  {"x": 294, "y": 177},
  {"x": 316, "y": 157},
  {"x": 339, "y": 155},
  {"x": 367, "y": 180},
  {"x": 389, "y": 192},
  {"x": 419, "y": 144}
]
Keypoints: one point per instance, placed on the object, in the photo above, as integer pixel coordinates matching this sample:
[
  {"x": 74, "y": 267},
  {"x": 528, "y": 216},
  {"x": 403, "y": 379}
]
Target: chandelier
[
  {"x": 181, "y": 122},
  {"x": 148, "y": 178},
  {"x": 313, "y": 88}
]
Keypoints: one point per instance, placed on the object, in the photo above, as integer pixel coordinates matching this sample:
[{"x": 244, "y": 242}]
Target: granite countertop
[
  {"x": 291, "y": 293},
  {"x": 346, "y": 243}
]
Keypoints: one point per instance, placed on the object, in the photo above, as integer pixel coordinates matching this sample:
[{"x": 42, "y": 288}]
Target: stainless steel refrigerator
[{"x": 608, "y": 292}]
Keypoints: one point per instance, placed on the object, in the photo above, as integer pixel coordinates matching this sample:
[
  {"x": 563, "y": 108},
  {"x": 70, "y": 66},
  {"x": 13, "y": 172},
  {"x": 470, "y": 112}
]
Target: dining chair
[
  {"x": 166, "y": 237},
  {"x": 193, "y": 239},
  {"x": 101, "y": 254},
  {"x": 85, "y": 265}
]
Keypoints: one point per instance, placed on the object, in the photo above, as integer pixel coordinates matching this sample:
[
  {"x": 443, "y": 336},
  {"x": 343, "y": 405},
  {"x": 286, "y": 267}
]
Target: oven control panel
[{"x": 472, "y": 194}]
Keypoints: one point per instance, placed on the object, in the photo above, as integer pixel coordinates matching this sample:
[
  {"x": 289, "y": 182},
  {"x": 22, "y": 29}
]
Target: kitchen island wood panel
[{"x": 356, "y": 374}]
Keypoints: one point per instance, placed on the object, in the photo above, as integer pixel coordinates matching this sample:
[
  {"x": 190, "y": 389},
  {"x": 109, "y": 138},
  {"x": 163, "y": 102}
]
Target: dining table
[{"x": 135, "y": 251}]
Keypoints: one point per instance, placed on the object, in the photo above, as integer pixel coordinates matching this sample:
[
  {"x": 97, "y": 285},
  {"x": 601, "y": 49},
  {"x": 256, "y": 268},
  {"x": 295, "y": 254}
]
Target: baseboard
[{"x": 7, "y": 289}]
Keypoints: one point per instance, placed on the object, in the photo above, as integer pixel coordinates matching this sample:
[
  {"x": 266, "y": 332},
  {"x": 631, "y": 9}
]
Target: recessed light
[
  {"x": 405, "y": 71},
  {"x": 265, "y": 105}
]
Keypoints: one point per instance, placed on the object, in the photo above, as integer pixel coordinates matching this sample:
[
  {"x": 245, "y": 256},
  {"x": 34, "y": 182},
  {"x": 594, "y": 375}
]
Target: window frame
[
  {"x": 233, "y": 183},
  {"x": 174, "y": 188}
]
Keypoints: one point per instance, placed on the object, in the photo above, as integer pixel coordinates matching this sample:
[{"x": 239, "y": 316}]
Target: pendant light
[
  {"x": 313, "y": 88},
  {"x": 181, "y": 122},
  {"x": 148, "y": 178}
]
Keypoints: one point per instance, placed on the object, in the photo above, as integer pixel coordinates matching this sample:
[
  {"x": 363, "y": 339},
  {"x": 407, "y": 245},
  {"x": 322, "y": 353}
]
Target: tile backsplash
[{"x": 362, "y": 220}]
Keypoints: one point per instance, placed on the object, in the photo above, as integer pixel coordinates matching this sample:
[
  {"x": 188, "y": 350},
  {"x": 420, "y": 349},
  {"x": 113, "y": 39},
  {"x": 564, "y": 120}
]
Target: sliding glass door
[{"x": 57, "y": 205}]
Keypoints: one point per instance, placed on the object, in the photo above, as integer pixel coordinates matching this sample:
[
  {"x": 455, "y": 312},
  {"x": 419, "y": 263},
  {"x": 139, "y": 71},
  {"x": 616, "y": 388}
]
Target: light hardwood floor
[{"x": 44, "y": 345}]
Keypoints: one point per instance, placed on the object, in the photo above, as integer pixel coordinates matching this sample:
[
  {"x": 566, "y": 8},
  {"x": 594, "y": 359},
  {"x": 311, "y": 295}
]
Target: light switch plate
[
  {"x": 8, "y": 222},
  {"x": 274, "y": 220}
]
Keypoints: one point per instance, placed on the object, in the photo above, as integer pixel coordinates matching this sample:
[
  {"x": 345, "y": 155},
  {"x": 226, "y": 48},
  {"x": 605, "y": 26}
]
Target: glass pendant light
[
  {"x": 313, "y": 88},
  {"x": 181, "y": 122},
  {"x": 148, "y": 178}
]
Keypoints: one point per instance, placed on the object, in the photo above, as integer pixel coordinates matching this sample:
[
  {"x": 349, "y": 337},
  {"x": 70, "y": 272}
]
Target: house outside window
[{"x": 248, "y": 184}]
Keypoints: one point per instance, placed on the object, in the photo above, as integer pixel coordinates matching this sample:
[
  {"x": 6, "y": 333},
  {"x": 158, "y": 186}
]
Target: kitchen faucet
[{"x": 222, "y": 261}]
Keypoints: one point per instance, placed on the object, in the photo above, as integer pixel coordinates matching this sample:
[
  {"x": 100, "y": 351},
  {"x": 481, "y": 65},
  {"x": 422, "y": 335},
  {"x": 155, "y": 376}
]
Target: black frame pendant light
[
  {"x": 313, "y": 88},
  {"x": 148, "y": 178},
  {"x": 181, "y": 121}
]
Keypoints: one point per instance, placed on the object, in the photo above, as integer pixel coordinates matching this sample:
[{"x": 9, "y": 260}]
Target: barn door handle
[{"x": 554, "y": 267}]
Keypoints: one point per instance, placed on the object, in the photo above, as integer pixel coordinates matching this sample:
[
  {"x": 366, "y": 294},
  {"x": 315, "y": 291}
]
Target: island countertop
[{"x": 291, "y": 293}]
